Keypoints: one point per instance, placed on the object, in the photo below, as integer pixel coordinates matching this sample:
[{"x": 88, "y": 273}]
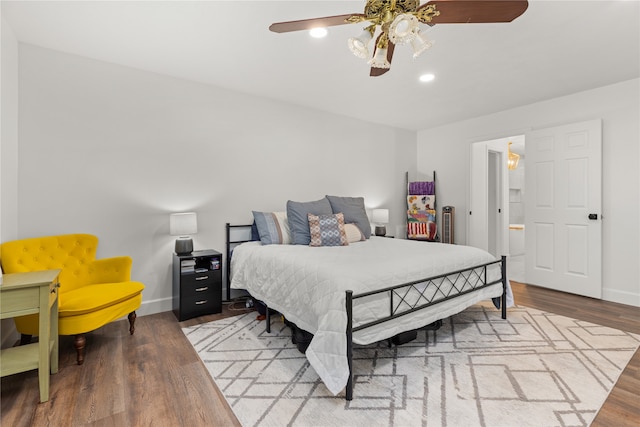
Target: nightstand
[{"x": 197, "y": 284}]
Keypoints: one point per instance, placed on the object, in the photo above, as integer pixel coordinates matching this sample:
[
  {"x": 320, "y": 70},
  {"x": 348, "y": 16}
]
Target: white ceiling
[{"x": 555, "y": 48}]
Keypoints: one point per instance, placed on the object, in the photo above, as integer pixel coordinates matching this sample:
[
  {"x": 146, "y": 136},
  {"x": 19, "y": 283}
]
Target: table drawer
[{"x": 19, "y": 301}]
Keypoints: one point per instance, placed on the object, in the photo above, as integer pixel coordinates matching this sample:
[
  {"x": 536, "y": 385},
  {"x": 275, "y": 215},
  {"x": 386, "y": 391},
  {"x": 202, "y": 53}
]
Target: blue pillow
[
  {"x": 255, "y": 236},
  {"x": 353, "y": 210},
  {"x": 273, "y": 228},
  {"x": 298, "y": 220}
]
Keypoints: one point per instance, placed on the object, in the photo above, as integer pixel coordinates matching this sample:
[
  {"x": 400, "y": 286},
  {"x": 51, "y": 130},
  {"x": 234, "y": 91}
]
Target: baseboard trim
[
  {"x": 155, "y": 306},
  {"x": 621, "y": 297}
]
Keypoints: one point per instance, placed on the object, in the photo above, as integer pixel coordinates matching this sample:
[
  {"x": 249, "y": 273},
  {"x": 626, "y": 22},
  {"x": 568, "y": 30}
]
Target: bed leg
[
  {"x": 349, "y": 337},
  {"x": 267, "y": 319},
  {"x": 503, "y": 306}
]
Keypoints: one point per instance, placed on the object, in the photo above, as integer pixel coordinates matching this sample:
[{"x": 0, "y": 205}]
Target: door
[
  {"x": 564, "y": 206},
  {"x": 478, "y": 215},
  {"x": 494, "y": 205},
  {"x": 487, "y": 224}
]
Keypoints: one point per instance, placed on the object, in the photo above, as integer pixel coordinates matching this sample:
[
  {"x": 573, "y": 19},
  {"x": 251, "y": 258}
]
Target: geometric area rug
[{"x": 533, "y": 369}]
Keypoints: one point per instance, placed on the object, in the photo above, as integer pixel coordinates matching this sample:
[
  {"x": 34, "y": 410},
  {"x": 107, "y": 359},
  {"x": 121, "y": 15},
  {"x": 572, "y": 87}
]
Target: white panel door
[
  {"x": 478, "y": 216},
  {"x": 563, "y": 229}
]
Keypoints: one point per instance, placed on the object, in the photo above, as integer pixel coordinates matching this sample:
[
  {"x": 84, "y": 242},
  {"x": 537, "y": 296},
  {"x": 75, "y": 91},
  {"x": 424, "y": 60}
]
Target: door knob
[{"x": 593, "y": 217}]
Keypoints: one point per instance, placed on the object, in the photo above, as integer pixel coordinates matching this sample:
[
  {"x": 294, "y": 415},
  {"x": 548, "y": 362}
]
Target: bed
[{"x": 365, "y": 292}]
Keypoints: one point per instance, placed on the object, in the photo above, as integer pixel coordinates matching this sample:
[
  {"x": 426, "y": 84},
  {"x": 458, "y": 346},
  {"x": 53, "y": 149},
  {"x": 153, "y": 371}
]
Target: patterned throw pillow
[{"x": 327, "y": 230}]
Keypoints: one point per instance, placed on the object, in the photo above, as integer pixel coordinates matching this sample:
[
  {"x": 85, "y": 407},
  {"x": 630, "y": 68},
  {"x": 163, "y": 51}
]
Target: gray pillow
[
  {"x": 299, "y": 221},
  {"x": 354, "y": 212}
]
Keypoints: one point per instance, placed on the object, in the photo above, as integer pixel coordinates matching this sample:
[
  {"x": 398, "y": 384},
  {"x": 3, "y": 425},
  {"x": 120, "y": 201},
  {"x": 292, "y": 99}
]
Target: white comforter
[{"x": 307, "y": 285}]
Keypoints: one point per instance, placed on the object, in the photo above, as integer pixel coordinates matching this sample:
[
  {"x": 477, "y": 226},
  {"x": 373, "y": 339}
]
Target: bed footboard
[{"x": 471, "y": 276}]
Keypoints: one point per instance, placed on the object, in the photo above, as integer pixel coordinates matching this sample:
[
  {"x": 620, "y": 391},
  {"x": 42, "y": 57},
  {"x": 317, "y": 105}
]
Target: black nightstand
[{"x": 197, "y": 284}]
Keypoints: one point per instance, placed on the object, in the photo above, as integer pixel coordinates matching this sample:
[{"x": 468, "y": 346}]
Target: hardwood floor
[{"x": 155, "y": 377}]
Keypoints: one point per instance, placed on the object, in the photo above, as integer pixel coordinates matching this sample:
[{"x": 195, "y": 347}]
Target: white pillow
[{"x": 353, "y": 233}]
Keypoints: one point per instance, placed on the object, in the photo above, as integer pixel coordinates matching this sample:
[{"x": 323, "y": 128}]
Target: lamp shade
[
  {"x": 419, "y": 44},
  {"x": 403, "y": 29},
  {"x": 183, "y": 224},
  {"x": 358, "y": 45},
  {"x": 380, "y": 216},
  {"x": 379, "y": 59}
]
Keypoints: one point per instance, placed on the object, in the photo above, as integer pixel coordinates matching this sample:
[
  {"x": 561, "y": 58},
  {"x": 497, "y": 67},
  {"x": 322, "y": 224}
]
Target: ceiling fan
[{"x": 397, "y": 22}]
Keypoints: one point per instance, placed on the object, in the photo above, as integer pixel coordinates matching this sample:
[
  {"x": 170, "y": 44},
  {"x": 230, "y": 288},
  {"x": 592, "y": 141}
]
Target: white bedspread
[{"x": 307, "y": 285}]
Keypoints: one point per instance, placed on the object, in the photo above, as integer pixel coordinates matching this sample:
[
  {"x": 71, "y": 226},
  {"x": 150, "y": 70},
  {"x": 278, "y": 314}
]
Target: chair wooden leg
[
  {"x": 25, "y": 339},
  {"x": 132, "y": 320},
  {"x": 79, "y": 344}
]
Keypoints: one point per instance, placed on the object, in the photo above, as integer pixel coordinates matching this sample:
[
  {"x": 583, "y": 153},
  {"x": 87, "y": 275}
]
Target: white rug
[{"x": 534, "y": 369}]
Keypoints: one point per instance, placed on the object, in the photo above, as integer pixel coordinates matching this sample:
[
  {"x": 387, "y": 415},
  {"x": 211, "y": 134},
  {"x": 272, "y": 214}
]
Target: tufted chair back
[{"x": 73, "y": 253}]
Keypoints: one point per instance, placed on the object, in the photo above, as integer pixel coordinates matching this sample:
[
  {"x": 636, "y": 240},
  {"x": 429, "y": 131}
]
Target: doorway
[
  {"x": 488, "y": 219},
  {"x": 517, "y": 212},
  {"x": 490, "y": 224}
]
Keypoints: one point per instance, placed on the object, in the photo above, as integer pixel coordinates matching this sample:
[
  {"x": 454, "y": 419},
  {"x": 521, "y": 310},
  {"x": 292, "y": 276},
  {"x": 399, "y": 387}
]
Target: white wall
[
  {"x": 8, "y": 152},
  {"x": 111, "y": 151},
  {"x": 446, "y": 149}
]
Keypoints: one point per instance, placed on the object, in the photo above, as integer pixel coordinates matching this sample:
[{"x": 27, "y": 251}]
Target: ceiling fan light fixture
[
  {"x": 420, "y": 44},
  {"x": 399, "y": 21},
  {"x": 358, "y": 45},
  {"x": 403, "y": 29},
  {"x": 379, "y": 60}
]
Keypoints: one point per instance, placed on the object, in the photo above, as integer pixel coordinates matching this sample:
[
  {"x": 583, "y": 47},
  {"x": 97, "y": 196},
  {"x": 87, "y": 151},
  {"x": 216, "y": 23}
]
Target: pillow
[
  {"x": 353, "y": 233},
  {"x": 299, "y": 221},
  {"x": 353, "y": 210},
  {"x": 327, "y": 230},
  {"x": 273, "y": 227},
  {"x": 255, "y": 236}
]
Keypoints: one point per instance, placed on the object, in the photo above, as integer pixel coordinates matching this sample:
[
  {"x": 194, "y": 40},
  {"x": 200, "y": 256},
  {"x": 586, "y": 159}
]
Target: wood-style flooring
[{"x": 155, "y": 378}]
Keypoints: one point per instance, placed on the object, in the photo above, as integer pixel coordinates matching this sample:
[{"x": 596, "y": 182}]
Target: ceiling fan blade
[
  {"x": 476, "y": 11},
  {"x": 375, "y": 72},
  {"x": 307, "y": 24}
]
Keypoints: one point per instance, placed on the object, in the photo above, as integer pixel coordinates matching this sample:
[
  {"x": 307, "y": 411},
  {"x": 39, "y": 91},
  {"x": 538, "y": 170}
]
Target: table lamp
[
  {"x": 380, "y": 218},
  {"x": 184, "y": 225}
]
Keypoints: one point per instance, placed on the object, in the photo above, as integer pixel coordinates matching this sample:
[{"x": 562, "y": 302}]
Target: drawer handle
[
  {"x": 201, "y": 302},
  {"x": 202, "y": 278},
  {"x": 54, "y": 290},
  {"x": 202, "y": 289}
]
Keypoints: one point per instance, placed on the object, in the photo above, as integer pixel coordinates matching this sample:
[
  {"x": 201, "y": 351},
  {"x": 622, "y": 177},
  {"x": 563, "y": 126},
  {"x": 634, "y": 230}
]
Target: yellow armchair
[{"x": 92, "y": 292}]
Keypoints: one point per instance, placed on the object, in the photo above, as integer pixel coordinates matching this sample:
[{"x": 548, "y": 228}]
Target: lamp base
[
  {"x": 381, "y": 230},
  {"x": 184, "y": 246}
]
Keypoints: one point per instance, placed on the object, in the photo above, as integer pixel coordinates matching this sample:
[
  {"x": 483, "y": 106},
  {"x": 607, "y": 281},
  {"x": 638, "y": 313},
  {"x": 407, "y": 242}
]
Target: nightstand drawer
[
  {"x": 200, "y": 305},
  {"x": 195, "y": 290},
  {"x": 199, "y": 279}
]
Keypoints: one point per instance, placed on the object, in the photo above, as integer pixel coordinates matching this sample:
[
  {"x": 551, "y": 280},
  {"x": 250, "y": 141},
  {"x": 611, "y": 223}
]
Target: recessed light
[
  {"x": 318, "y": 33},
  {"x": 427, "y": 77}
]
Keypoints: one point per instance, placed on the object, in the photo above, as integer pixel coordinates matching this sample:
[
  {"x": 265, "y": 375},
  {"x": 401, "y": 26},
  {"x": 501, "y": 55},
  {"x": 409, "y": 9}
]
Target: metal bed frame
[{"x": 475, "y": 276}]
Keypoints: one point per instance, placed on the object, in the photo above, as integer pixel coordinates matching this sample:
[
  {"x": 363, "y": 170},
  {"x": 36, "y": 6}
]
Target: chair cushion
[{"x": 92, "y": 298}]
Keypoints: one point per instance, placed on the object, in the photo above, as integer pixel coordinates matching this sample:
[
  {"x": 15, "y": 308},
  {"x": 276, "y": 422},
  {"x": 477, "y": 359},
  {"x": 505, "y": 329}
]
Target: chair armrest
[{"x": 110, "y": 270}]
